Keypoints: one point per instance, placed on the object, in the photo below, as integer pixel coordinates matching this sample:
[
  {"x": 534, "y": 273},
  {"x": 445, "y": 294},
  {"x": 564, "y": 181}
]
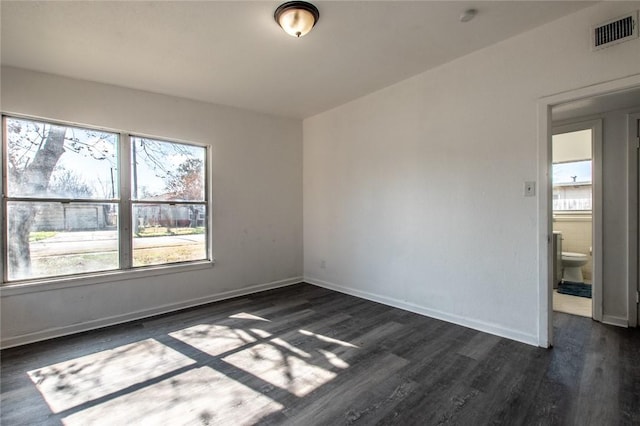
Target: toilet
[{"x": 572, "y": 264}]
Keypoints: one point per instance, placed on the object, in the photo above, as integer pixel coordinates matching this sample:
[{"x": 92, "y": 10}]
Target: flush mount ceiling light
[
  {"x": 296, "y": 17},
  {"x": 468, "y": 15}
]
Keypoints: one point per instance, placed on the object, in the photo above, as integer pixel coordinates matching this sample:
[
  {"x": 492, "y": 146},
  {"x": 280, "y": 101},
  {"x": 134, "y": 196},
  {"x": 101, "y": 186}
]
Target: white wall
[
  {"x": 257, "y": 203},
  {"x": 615, "y": 211},
  {"x": 413, "y": 195}
]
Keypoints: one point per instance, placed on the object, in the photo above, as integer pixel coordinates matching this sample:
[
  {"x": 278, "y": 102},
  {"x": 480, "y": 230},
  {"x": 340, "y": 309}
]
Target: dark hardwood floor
[{"x": 303, "y": 355}]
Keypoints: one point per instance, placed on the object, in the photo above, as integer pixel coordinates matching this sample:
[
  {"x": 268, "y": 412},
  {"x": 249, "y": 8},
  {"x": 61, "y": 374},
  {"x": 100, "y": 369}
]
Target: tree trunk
[
  {"x": 34, "y": 181},
  {"x": 21, "y": 217},
  {"x": 38, "y": 173}
]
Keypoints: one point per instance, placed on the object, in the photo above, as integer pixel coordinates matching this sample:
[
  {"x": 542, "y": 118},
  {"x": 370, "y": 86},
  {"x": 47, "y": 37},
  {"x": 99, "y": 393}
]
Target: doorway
[
  {"x": 575, "y": 221},
  {"x": 591, "y": 102}
]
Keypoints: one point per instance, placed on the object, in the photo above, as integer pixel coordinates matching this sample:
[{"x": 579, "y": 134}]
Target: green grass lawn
[
  {"x": 93, "y": 262},
  {"x": 41, "y": 235},
  {"x": 161, "y": 231}
]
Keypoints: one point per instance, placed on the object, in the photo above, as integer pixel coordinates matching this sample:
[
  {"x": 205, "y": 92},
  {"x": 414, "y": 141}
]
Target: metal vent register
[{"x": 615, "y": 31}]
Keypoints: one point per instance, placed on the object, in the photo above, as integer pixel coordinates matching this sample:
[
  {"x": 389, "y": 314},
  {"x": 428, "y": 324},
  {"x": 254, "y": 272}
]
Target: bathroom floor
[{"x": 573, "y": 305}]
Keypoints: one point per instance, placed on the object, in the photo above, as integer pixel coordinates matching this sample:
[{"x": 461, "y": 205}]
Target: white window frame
[
  {"x": 553, "y": 187},
  {"x": 126, "y": 270}
]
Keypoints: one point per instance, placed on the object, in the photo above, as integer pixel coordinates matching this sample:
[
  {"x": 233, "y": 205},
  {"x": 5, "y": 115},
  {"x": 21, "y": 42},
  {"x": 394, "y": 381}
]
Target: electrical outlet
[{"x": 529, "y": 189}]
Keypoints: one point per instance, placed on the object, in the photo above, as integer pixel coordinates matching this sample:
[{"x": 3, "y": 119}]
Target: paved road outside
[{"x": 104, "y": 241}]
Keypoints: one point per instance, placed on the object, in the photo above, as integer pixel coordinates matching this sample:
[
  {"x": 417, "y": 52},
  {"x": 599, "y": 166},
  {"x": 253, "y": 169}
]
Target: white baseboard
[
  {"x": 145, "y": 313},
  {"x": 617, "y": 321},
  {"x": 486, "y": 327}
]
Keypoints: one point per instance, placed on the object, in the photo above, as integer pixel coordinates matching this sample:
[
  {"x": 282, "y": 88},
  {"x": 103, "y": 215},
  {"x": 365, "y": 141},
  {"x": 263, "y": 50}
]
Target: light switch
[{"x": 529, "y": 189}]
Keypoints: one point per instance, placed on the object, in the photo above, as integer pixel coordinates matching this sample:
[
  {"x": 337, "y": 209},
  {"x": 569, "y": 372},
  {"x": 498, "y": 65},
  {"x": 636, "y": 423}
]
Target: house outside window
[
  {"x": 79, "y": 200},
  {"x": 572, "y": 186}
]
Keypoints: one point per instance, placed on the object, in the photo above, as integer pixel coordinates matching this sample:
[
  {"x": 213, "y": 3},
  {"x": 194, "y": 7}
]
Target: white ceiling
[{"x": 233, "y": 53}]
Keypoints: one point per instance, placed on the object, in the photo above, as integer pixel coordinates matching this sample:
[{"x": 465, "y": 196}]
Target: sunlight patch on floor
[
  {"x": 276, "y": 365},
  {"x": 244, "y": 315},
  {"x": 151, "y": 381},
  {"x": 328, "y": 339},
  {"x": 198, "y": 396},
  {"x": 286, "y": 345},
  {"x": 260, "y": 333},
  {"x": 214, "y": 339},
  {"x": 333, "y": 359},
  {"x": 71, "y": 383}
]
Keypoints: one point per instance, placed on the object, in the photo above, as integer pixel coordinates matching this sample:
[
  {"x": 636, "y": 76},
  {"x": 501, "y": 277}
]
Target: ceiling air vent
[{"x": 615, "y": 31}]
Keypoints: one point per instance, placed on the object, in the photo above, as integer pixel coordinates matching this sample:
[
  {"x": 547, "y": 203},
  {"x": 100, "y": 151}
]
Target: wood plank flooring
[{"x": 303, "y": 355}]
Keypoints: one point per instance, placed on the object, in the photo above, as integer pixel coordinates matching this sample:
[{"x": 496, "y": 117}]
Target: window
[
  {"x": 572, "y": 171},
  {"x": 572, "y": 186},
  {"x": 168, "y": 189},
  {"x": 68, "y": 191}
]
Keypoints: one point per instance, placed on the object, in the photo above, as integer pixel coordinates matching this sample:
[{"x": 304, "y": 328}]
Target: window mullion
[
  {"x": 3, "y": 205},
  {"x": 209, "y": 203},
  {"x": 124, "y": 207}
]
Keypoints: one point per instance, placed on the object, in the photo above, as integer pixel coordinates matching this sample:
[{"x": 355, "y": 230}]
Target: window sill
[
  {"x": 37, "y": 286},
  {"x": 568, "y": 216}
]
